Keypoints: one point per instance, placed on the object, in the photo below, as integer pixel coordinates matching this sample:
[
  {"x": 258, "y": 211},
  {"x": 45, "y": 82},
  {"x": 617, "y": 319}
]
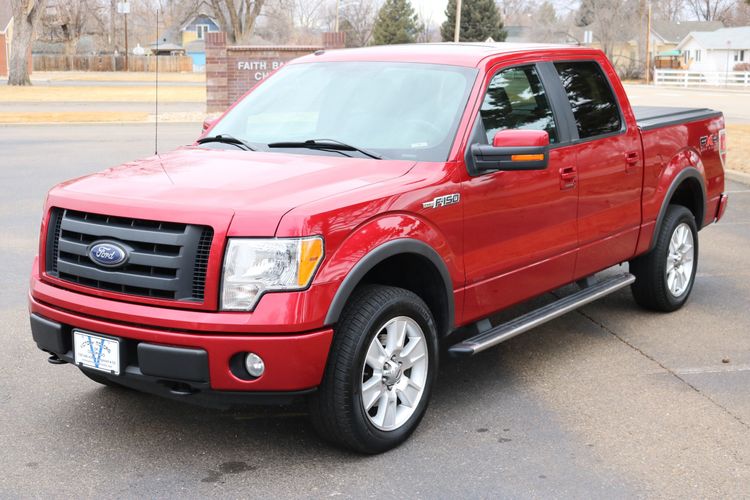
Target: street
[{"x": 610, "y": 401}]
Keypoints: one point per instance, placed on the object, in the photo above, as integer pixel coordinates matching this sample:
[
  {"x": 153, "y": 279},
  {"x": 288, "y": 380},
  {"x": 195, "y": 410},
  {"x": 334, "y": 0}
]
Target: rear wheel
[
  {"x": 380, "y": 371},
  {"x": 665, "y": 276}
]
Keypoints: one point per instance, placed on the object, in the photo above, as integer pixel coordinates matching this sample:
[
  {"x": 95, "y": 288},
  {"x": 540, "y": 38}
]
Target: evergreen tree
[
  {"x": 480, "y": 20},
  {"x": 396, "y": 23}
]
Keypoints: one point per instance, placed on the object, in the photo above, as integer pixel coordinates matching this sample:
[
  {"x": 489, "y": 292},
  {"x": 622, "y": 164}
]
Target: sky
[
  {"x": 435, "y": 9},
  {"x": 431, "y": 9}
]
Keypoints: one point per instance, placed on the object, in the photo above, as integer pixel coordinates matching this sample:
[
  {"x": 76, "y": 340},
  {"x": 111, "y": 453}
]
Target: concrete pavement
[
  {"x": 610, "y": 401},
  {"x": 734, "y": 103}
]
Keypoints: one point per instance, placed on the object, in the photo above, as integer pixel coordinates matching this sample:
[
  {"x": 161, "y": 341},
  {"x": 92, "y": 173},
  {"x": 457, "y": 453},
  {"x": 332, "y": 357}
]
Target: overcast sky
[
  {"x": 435, "y": 9},
  {"x": 431, "y": 9}
]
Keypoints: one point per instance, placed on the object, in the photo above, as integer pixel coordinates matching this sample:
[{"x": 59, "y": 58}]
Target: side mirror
[
  {"x": 513, "y": 150},
  {"x": 208, "y": 123}
]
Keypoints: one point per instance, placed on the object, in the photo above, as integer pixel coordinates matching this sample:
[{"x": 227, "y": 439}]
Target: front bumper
[{"x": 294, "y": 362}]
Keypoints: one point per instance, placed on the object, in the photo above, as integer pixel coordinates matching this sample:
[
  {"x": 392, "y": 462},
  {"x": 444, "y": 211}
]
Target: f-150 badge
[{"x": 442, "y": 201}]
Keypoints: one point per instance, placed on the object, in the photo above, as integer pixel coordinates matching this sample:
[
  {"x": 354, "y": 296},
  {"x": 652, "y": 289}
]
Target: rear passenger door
[{"x": 609, "y": 165}]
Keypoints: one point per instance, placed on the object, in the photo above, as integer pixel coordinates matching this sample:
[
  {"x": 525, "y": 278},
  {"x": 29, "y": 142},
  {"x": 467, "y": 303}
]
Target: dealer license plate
[{"x": 94, "y": 351}]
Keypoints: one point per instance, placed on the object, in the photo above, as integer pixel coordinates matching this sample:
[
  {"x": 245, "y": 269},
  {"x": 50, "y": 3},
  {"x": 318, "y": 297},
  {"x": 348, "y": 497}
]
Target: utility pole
[
  {"x": 457, "y": 32},
  {"x": 127, "y": 66},
  {"x": 648, "y": 45},
  {"x": 124, "y": 8}
]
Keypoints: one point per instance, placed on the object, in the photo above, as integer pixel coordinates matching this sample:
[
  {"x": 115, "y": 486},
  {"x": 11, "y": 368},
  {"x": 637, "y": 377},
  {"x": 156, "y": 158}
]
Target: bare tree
[
  {"x": 516, "y": 12},
  {"x": 65, "y": 22},
  {"x": 546, "y": 25},
  {"x": 26, "y": 14},
  {"x": 712, "y": 10},
  {"x": 741, "y": 15},
  {"x": 607, "y": 16},
  {"x": 307, "y": 14},
  {"x": 357, "y": 20},
  {"x": 426, "y": 27},
  {"x": 668, "y": 10},
  {"x": 237, "y": 17}
]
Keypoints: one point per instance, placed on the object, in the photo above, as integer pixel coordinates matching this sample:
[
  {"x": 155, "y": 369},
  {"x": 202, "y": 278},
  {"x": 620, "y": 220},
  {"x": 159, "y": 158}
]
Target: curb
[{"x": 738, "y": 176}]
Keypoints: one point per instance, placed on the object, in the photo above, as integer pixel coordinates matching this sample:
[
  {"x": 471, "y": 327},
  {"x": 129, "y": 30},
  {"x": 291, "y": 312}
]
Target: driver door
[{"x": 520, "y": 236}]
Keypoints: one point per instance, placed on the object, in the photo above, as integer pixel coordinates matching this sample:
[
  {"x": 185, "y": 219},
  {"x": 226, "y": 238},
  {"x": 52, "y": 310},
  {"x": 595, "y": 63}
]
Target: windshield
[{"x": 396, "y": 110}]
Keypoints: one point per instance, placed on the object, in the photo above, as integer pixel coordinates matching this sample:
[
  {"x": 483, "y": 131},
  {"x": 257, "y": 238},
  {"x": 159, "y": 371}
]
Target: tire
[
  {"x": 665, "y": 275},
  {"x": 367, "y": 335},
  {"x": 100, "y": 379}
]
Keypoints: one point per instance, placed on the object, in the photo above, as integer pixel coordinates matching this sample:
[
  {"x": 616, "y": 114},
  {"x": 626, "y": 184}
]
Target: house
[
  {"x": 626, "y": 51},
  {"x": 667, "y": 35},
  {"x": 721, "y": 50},
  {"x": 6, "y": 35},
  {"x": 193, "y": 33}
]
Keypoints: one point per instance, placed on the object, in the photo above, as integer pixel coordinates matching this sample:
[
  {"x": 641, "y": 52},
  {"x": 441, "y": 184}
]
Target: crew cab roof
[{"x": 456, "y": 54}]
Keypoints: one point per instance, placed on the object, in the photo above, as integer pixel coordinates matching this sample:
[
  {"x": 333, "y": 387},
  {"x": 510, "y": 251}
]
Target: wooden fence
[
  {"x": 57, "y": 62},
  {"x": 683, "y": 78}
]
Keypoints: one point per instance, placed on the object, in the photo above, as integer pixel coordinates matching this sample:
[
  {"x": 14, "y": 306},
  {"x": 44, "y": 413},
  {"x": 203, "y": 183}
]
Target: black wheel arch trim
[
  {"x": 687, "y": 173},
  {"x": 378, "y": 255}
]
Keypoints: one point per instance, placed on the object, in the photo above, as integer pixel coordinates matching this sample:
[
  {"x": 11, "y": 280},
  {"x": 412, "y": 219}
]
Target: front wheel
[
  {"x": 380, "y": 371},
  {"x": 665, "y": 275}
]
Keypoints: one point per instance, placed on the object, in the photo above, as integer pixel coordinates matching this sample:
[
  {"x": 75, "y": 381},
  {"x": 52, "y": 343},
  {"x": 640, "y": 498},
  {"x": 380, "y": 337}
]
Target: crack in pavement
[{"x": 665, "y": 368}]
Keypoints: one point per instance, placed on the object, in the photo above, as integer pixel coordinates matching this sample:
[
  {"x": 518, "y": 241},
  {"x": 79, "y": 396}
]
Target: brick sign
[{"x": 233, "y": 70}]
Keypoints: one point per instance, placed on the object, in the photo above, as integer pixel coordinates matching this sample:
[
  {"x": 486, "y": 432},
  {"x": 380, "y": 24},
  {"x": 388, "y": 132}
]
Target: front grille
[{"x": 166, "y": 260}]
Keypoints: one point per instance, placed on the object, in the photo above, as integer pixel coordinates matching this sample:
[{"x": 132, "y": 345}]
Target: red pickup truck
[{"x": 358, "y": 209}]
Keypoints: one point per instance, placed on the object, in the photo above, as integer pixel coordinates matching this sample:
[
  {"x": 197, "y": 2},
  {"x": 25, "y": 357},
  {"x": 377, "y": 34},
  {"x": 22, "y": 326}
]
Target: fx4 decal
[{"x": 709, "y": 142}]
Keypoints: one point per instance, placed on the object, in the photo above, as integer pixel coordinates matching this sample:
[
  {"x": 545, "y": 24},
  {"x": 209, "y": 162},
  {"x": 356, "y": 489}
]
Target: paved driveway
[{"x": 610, "y": 401}]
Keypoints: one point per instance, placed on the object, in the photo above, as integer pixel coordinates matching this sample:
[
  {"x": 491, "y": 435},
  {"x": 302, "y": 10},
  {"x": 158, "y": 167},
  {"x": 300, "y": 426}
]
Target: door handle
[
  {"x": 632, "y": 159},
  {"x": 568, "y": 178}
]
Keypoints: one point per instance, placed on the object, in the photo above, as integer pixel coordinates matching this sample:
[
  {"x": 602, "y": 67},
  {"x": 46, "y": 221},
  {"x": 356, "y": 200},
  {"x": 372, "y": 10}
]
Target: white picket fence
[{"x": 683, "y": 78}]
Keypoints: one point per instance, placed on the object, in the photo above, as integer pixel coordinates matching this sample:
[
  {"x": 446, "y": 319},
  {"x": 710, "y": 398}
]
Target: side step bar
[{"x": 521, "y": 324}]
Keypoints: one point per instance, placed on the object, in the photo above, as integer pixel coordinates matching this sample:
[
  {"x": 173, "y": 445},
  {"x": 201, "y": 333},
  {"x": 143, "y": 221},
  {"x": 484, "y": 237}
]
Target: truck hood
[{"x": 258, "y": 188}]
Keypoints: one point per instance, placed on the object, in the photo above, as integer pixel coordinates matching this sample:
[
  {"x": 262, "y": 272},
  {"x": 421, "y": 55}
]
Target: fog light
[{"x": 254, "y": 365}]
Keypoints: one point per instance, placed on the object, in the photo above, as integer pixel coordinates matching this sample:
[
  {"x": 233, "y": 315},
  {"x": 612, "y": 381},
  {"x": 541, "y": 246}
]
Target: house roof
[
  {"x": 6, "y": 15},
  {"x": 192, "y": 19},
  {"x": 164, "y": 46},
  {"x": 734, "y": 38},
  {"x": 675, "y": 31}
]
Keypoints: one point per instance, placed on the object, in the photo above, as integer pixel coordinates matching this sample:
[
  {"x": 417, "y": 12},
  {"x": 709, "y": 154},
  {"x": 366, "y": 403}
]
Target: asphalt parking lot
[{"x": 610, "y": 401}]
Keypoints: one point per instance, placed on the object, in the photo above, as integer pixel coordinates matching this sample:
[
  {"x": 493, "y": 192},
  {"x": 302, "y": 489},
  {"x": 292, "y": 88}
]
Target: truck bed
[{"x": 651, "y": 117}]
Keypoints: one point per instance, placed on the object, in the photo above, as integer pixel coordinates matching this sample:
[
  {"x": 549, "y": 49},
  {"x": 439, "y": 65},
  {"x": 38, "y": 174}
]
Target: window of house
[
  {"x": 698, "y": 55},
  {"x": 515, "y": 99},
  {"x": 201, "y": 30},
  {"x": 591, "y": 98},
  {"x": 742, "y": 55}
]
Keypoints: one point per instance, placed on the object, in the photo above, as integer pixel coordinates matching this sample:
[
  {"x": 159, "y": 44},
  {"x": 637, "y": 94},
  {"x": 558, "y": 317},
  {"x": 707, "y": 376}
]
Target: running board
[{"x": 493, "y": 336}]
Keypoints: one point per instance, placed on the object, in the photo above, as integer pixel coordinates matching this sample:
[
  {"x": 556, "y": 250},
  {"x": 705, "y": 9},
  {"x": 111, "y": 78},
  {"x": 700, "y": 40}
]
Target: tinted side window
[
  {"x": 594, "y": 105},
  {"x": 515, "y": 99}
]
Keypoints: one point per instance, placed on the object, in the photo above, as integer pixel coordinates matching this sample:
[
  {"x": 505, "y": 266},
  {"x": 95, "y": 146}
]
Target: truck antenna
[{"x": 156, "y": 90}]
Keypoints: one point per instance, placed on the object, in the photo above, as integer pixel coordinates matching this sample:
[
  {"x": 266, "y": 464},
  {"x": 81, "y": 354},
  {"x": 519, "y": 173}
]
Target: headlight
[{"x": 255, "y": 266}]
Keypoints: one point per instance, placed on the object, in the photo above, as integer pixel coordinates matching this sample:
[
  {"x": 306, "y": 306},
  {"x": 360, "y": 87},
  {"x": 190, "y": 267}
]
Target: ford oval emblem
[{"x": 108, "y": 253}]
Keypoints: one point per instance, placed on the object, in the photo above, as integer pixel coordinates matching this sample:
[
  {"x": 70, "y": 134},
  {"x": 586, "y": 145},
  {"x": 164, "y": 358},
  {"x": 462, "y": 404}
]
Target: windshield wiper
[
  {"x": 324, "y": 144},
  {"x": 227, "y": 139}
]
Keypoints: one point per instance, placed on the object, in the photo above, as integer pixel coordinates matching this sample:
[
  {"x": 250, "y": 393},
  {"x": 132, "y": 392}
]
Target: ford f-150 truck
[{"x": 360, "y": 208}]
